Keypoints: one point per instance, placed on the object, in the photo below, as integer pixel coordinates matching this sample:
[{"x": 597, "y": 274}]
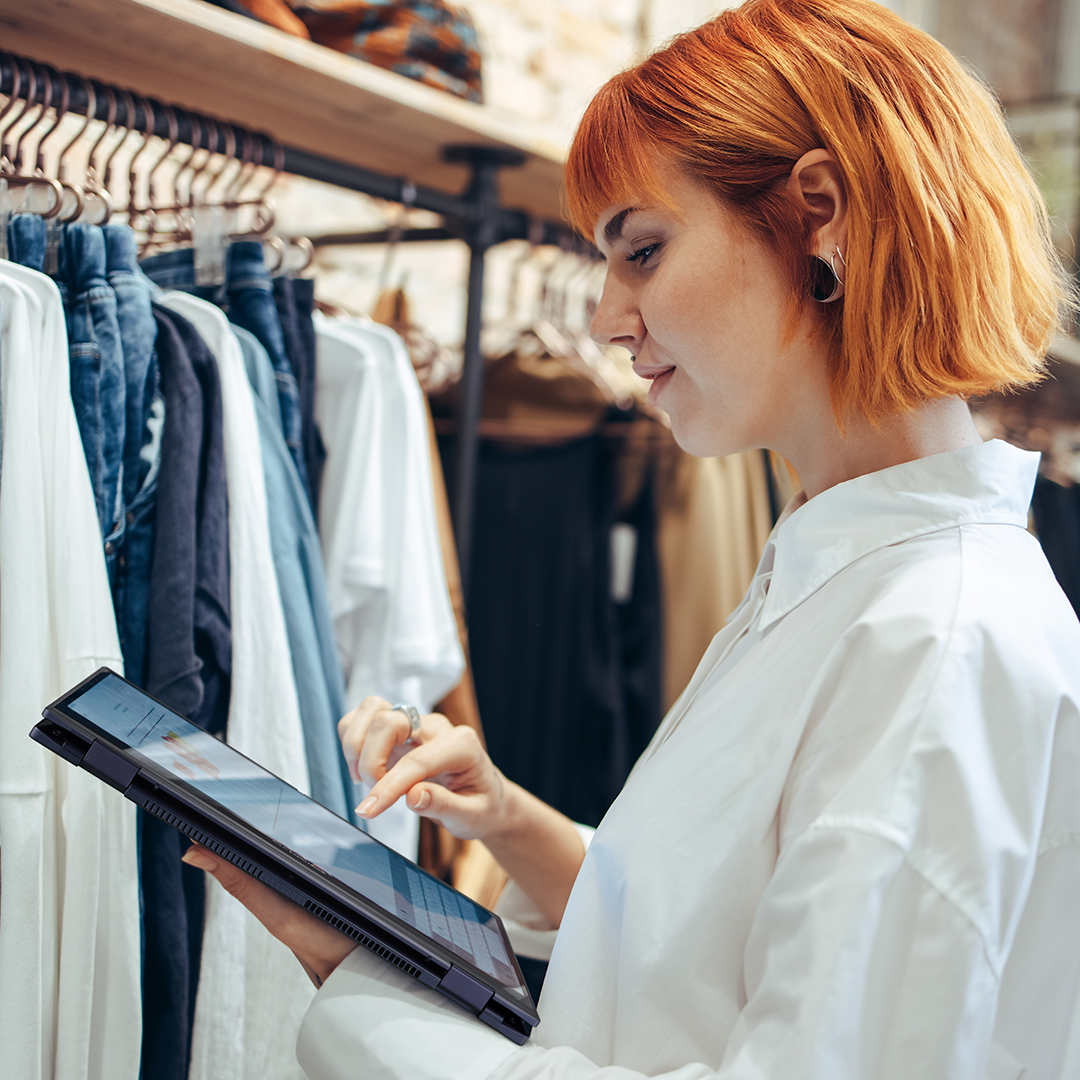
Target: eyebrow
[{"x": 613, "y": 229}]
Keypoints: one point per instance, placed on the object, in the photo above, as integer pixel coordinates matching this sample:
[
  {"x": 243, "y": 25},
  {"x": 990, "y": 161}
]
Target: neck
[{"x": 831, "y": 457}]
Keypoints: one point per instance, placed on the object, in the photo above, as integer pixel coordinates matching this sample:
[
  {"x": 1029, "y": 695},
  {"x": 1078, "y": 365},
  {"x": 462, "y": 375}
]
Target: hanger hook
[
  {"x": 172, "y": 139},
  {"x": 279, "y": 163},
  {"x": 110, "y": 119},
  {"x": 61, "y": 112},
  {"x": 211, "y": 146},
  {"x": 129, "y": 127},
  {"x": 91, "y": 108},
  {"x": 13, "y": 100},
  {"x": 229, "y": 133},
  {"x": 148, "y": 134},
  {"x": 247, "y": 167},
  {"x": 196, "y": 142},
  {"x": 8, "y": 154},
  {"x": 45, "y": 74}
]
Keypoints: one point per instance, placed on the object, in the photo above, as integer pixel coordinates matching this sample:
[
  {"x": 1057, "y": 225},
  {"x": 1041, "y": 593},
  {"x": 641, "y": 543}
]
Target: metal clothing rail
[{"x": 474, "y": 216}]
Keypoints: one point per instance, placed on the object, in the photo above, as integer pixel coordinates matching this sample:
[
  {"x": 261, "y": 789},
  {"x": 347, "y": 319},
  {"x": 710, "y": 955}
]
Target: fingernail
[
  {"x": 199, "y": 859},
  {"x": 422, "y": 800},
  {"x": 367, "y": 805}
]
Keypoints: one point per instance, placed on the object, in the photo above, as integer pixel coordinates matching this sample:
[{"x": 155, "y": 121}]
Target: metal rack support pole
[{"x": 482, "y": 231}]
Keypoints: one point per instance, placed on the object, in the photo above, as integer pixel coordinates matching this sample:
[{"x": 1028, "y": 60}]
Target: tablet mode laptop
[{"x": 241, "y": 812}]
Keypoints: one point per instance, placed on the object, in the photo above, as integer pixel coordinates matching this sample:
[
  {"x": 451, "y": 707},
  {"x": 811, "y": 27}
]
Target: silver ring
[{"x": 413, "y": 713}]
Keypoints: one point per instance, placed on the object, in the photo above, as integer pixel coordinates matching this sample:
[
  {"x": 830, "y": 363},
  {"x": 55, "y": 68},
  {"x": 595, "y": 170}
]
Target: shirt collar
[{"x": 816, "y": 539}]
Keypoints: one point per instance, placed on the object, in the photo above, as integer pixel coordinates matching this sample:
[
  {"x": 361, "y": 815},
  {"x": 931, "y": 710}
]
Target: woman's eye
[{"x": 642, "y": 255}]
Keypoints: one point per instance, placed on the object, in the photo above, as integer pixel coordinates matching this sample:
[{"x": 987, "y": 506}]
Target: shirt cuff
[{"x": 371, "y": 1020}]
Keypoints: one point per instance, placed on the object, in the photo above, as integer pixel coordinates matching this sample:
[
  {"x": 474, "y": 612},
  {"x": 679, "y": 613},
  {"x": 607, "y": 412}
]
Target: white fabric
[
  {"x": 70, "y": 1004},
  {"x": 851, "y": 852},
  {"x": 530, "y": 931},
  {"x": 252, "y": 994},
  {"x": 396, "y": 631}
]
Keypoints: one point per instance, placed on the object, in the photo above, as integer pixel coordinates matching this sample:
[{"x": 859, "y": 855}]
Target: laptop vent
[
  {"x": 207, "y": 842},
  {"x": 357, "y": 935}
]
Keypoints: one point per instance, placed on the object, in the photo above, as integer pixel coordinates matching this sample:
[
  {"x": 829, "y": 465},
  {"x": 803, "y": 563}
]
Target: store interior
[{"x": 465, "y": 501}]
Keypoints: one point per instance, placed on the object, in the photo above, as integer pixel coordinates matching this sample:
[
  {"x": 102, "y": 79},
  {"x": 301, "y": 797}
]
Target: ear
[{"x": 817, "y": 181}]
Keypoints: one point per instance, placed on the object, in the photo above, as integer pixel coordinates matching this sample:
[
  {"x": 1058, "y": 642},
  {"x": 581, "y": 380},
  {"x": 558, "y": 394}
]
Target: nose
[{"x": 617, "y": 320}]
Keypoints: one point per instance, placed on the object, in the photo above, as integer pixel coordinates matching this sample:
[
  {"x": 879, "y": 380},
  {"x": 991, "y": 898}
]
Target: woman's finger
[
  {"x": 388, "y": 730},
  {"x": 456, "y": 752},
  {"x": 353, "y": 728}
]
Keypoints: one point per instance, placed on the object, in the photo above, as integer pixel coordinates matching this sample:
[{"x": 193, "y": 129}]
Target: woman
[{"x": 853, "y": 848}]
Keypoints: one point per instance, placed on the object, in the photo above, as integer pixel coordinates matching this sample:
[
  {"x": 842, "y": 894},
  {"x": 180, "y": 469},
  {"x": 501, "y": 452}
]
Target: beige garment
[{"x": 713, "y": 519}]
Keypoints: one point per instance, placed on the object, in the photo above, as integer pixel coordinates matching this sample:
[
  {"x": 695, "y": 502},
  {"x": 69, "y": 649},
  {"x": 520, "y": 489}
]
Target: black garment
[
  {"x": 1057, "y": 521},
  {"x": 173, "y": 902},
  {"x": 303, "y": 304},
  {"x": 189, "y": 658},
  {"x": 640, "y": 626},
  {"x": 190, "y": 642},
  {"x": 568, "y": 684}
]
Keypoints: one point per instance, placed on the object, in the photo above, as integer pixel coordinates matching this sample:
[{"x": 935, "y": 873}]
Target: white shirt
[
  {"x": 396, "y": 632},
  {"x": 852, "y": 850},
  {"x": 70, "y": 979},
  {"x": 251, "y": 993}
]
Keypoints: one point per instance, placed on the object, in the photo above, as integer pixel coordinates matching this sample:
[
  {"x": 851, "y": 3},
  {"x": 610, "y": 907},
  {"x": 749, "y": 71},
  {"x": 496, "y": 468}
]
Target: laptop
[{"x": 240, "y": 811}]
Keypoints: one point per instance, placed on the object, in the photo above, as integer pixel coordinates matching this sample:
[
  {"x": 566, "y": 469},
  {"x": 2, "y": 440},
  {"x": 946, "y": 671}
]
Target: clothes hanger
[
  {"x": 74, "y": 195},
  {"x": 92, "y": 185},
  {"x": 11, "y": 158},
  {"x": 132, "y": 211}
]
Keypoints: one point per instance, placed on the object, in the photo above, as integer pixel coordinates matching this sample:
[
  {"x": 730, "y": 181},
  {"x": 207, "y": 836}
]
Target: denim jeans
[
  {"x": 144, "y": 415},
  {"x": 137, "y": 334},
  {"x": 247, "y": 298},
  {"x": 26, "y": 241},
  {"x": 97, "y": 372}
]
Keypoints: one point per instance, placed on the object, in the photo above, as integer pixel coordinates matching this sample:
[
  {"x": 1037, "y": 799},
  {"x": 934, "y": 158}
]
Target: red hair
[{"x": 952, "y": 283}]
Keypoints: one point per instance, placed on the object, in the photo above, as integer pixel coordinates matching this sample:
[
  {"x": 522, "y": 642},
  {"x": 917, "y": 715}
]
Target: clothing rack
[{"x": 475, "y": 216}]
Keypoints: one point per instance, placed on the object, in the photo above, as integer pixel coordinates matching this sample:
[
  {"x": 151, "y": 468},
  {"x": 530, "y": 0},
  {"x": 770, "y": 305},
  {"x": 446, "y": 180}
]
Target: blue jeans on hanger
[
  {"x": 142, "y": 445},
  {"x": 26, "y": 241},
  {"x": 247, "y": 297},
  {"x": 97, "y": 372}
]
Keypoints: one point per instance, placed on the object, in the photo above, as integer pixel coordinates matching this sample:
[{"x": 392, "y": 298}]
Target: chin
[{"x": 706, "y": 443}]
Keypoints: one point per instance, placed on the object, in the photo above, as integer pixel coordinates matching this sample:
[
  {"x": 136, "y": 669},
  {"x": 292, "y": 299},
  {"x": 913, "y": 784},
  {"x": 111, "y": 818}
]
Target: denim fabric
[
  {"x": 97, "y": 372},
  {"x": 303, "y": 290},
  {"x": 247, "y": 298},
  {"x": 144, "y": 416},
  {"x": 137, "y": 334},
  {"x": 320, "y": 682},
  {"x": 26, "y": 241}
]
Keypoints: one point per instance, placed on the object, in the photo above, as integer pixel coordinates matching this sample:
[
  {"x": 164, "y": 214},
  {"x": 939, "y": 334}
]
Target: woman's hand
[
  {"x": 318, "y": 947},
  {"x": 442, "y": 771}
]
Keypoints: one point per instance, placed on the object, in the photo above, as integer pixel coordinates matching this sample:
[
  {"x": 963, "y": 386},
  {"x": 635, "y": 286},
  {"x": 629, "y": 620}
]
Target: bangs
[{"x": 612, "y": 158}]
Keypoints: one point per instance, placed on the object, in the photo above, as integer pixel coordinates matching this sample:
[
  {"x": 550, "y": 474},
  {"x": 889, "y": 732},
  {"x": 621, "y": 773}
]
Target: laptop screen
[{"x": 168, "y": 742}]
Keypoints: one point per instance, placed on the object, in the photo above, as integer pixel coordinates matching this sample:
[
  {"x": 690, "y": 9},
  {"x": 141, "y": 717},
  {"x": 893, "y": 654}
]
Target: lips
[{"x": 659, "y": 377}]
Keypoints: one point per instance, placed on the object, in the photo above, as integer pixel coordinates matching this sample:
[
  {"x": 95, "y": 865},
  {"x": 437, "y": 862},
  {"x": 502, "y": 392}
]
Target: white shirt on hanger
[
  {"x": 852, "y": 850},
  {"x": 70, "y": 966},
  {"x": 396, "y": 631},
  {"x": 251, "y": 994}
]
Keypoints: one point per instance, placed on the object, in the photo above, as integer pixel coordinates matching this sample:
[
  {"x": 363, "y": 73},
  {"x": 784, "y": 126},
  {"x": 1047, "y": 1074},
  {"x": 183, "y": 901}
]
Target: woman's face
[{"x": 702, "y": 302}]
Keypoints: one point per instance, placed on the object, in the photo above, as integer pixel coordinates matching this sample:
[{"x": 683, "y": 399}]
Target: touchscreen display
[{"x": 303, "y": 826}]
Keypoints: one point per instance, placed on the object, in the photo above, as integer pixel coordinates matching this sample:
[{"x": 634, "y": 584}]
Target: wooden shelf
[{"x": 200, "y": 57}]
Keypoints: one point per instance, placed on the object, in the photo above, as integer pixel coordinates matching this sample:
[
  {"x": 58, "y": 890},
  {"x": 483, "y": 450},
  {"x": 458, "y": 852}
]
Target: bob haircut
[{"x": 952, "y": 283}]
